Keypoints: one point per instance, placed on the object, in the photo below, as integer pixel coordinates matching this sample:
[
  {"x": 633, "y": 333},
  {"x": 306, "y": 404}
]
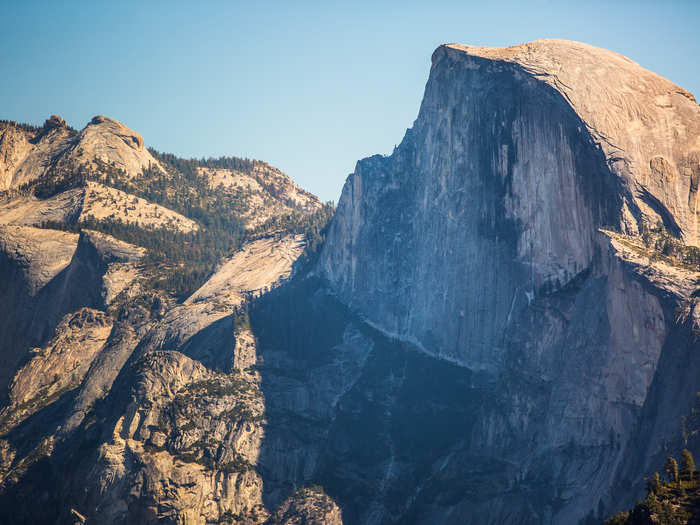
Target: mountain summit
[
  {"x": 647, "y": 127},
  {"x": 29, "y": 153}
]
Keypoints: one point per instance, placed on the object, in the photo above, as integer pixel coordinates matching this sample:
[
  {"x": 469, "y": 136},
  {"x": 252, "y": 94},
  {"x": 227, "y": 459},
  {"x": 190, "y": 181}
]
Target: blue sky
[{"x": 310, "y": 87}]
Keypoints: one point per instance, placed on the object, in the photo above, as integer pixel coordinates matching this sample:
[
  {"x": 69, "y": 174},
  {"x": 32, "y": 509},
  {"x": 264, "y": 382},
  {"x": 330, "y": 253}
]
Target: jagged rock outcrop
[
  {"x": 58, "y": 367},
  {"x": 308, "y": 507},
  {"x": 184, "y": 447},
  {"x": 14, "y": 147},
  {"x": 169, "y": 436},
  {"x": 29, "y": 153}
]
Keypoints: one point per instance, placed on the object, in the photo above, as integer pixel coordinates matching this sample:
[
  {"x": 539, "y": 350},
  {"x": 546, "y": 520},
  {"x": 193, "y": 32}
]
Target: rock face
[
  {"x": 646, "y": 126},
  {"x": 45, "y": 377},
  {"x": 501, "y": 327},
  {"x": 481, "y": 241},
  {"x": 120, "y": 403},
  {"x": 509, "y": 166},
  {"x": 243, "y": 273},
  {"x": 161, "y": 395},
  {"x": 14, "y": 147},
  {"x": 33, "y": 261}
]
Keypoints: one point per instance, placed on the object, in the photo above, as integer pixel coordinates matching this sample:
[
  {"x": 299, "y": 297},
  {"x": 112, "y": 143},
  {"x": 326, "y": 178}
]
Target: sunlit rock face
[
  {"x": 480, "y": 240},
  {"x": 120, "y": 403},
  {"x": 29, "y": 154}
]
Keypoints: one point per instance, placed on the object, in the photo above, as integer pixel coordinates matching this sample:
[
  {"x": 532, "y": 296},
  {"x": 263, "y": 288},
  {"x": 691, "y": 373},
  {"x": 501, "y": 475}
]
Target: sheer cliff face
[
  {"x": 516, "y": 159},
  {"x": 496, "y": 192},
  {"x": 486, "y": 239}
]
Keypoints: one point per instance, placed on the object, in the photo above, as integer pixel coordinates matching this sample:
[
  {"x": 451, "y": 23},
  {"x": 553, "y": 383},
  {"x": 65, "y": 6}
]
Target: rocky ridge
[
  {"x": 97, "y": 202},
  {"x": 31, "y": 154},
  {"x": 141, "y": 406},
  {"x": 272, "y": 192}
]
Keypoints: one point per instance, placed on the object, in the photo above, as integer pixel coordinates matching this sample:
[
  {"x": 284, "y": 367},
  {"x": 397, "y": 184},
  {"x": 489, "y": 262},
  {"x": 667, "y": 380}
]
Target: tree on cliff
[
  {"x": 672, "y": 502},
  {"x": 671, "y": 468},
  {"x": 688, "y": 464}
]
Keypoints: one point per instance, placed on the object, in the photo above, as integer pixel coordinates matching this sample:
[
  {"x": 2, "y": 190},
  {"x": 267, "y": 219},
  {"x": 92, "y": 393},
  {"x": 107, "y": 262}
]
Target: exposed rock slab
[
  {"x": 104, "y": 203},
  {"x": 258, "y": 265},
  {"x": 93, "y": 202},
  {"x": 28, "y": 210}
]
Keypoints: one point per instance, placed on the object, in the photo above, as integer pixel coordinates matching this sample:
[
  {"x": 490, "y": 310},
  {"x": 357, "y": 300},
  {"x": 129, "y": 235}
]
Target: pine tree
[
  {"x": 671, "y": 468},
  {"x": 688, "y": 463},
  {"x": 654, "y": 483}
]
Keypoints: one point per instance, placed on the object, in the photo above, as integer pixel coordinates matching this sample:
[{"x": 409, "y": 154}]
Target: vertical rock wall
[{"x": 482, "y": 241}]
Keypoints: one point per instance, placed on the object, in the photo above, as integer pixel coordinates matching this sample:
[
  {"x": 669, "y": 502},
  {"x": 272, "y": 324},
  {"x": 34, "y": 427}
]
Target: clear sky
[{"x": 309, "y": 87}]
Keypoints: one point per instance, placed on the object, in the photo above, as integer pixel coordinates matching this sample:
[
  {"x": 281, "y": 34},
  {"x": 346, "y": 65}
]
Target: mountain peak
[
  {"x": 28, "y": 153},
  {"x": 110, "y": 125},
  {"x": 647, "y": 127}
]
